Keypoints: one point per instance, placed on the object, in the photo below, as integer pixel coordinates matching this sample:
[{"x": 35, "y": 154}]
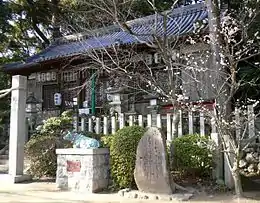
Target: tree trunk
[
  {"x": 55, "y": 21},
  {"x": 33, "y": 14},
  {"x": 237, "y": 183},
  {"x": 175, "y": 122}
]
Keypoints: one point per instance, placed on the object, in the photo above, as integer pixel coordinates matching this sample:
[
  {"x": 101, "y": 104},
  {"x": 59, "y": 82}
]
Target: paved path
[{"x": 47, "y": 192}]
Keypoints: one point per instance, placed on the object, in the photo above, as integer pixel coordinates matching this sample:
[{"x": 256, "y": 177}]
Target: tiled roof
[{"x": 180, "y": 21}]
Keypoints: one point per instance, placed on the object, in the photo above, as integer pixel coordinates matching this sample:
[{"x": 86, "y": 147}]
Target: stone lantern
[
  {"x": 31, "y": 111},
  {"x": 116, "y": 96}
]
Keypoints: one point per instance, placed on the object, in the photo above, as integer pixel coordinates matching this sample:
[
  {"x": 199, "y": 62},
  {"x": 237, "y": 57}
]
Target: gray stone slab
[{"x": 152, "y": 168}]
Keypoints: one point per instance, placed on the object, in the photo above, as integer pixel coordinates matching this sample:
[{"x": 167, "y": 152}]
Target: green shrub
[
  {"x": 40, "y": 149},
  {"x": 123, "y": 145},
  {"x": 193, "y": 155},
  {"x": 55, "y": 126},
  {"x": 106, "y": 140}
]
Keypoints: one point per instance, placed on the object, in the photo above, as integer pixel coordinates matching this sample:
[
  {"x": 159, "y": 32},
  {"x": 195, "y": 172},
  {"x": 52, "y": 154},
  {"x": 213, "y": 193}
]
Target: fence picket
[
  {"x": 190, "y": 115},
  {"x": 98, "y": 127},
  {"x": 113, "y": 124},
  {"x": 90, "y": 125},
  {"x": 149, "y": 120},
  {"x": 105, "y": 125},
  {"x": 83, "y": 124},
  {"x": 121, "y": 121},
  {"x": 180, "y": 132},
  {"x": 75, "y": 123},
  {"x": 158, "y": 121},
  {"x": 140, "y": 121},
  {"x": 202, "y": 124},
  {"x": 131, "y": 120}
]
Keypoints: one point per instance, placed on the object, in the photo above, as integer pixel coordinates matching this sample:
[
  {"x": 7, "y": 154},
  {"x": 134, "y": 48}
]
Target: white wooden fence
[{"x": 189, "y": 123}]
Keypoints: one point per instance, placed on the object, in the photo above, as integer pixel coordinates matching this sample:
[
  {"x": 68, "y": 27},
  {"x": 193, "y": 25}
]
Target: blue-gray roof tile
[{"x": 180, "y": 21}]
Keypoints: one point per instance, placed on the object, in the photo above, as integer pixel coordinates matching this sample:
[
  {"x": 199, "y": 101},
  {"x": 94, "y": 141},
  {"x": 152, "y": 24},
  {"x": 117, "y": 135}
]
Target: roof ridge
[
  {"x": 183, "y": 10},
  {"x": 86, "y": 34}
]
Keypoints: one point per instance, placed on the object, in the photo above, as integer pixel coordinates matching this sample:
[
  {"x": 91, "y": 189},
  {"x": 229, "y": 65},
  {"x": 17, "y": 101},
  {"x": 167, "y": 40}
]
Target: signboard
[
  {"x": 46, "y": 77},
  {"x": 67, "y": 76},
  {"x": 73, "y": 166},
  {"x": 70, "y": 76}
]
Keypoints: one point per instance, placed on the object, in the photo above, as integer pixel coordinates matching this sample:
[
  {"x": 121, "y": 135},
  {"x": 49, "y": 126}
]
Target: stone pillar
[{"x": 17, "y": 129}]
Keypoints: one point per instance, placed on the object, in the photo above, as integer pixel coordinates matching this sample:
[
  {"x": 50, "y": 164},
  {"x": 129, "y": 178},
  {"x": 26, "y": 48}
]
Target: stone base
[
  {"x": 15, "y": 179},
  {"x": 135, "y": 194},
  {"x": 82, "y": 170}
]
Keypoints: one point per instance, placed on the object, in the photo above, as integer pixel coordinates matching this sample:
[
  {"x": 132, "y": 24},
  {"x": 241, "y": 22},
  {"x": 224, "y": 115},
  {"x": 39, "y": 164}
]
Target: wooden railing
[{"x": 190, "y": 122}]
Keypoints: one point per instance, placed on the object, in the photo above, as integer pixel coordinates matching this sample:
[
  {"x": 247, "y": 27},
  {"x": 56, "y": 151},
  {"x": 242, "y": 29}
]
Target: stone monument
[{"x": 152, "y": 168}]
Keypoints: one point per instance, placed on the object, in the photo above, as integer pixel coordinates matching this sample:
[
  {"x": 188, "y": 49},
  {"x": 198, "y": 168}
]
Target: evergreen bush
[
  {"x": 40, "y": 149},
  {"x": 123, "y": 145},
  {"x": 193, "y": 155}
]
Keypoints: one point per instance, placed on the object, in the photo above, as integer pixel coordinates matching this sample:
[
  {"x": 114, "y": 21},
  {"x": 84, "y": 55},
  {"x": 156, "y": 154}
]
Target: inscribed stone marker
[{"x": 151, "y": 169}]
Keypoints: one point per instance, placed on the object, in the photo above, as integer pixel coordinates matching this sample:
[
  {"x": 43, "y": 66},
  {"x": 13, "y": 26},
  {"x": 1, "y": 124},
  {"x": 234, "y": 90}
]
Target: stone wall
[{"x": 84, "y": 170}]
